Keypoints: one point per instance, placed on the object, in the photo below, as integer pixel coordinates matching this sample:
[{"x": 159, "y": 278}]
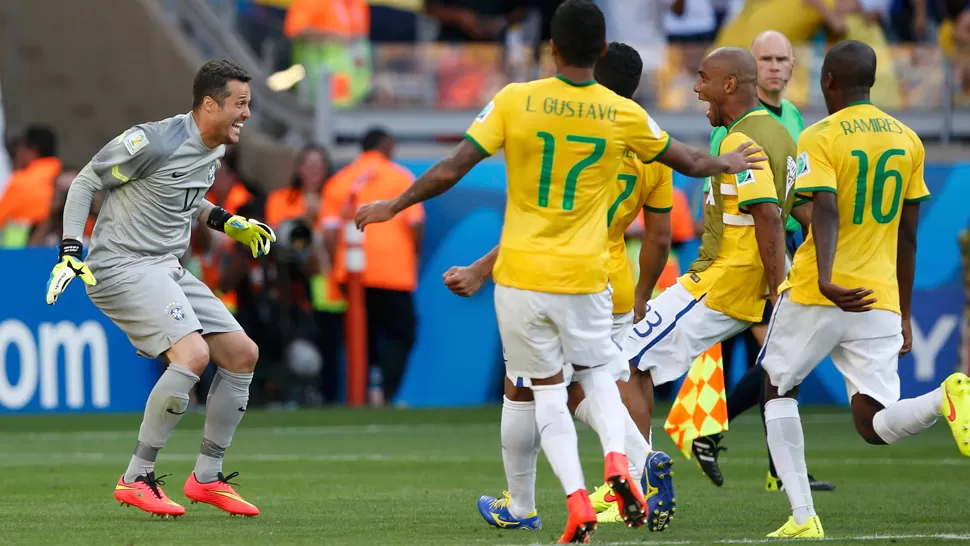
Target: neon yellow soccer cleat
[
  {"x": 956, "y": 409},
  {"x": 812, "y": 528},
  {"x": 603, "y": 498}
]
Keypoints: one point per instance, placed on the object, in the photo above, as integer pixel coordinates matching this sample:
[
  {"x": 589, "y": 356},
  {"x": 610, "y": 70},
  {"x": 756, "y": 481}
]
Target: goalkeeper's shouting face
[{"x": 221, "y": 97}]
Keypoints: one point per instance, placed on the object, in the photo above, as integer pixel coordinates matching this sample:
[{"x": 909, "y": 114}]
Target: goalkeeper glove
[
  {"x": 69, "y": 265},
  {"x": 252, "y": 233}
]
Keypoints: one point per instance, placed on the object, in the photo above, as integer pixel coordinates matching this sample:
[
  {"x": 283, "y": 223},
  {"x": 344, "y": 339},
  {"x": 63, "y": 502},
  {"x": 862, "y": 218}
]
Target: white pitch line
[{"x": 941, "y": 536}]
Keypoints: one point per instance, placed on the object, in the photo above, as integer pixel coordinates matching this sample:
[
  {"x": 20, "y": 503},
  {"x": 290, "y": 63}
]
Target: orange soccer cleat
[
  {"x": 582, "y": 519},
  {"x": 219, "y": 494},
  {"x": 145, "y": 493},
  {"x": 629, "y": 499}
]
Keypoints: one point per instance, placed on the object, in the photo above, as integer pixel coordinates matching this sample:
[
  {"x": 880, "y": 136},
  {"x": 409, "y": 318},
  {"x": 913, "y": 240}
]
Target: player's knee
[
  {"x": 246, "y": 355},
  {"x": 864, "y": 409},
  {"x": 190, "y": 352}
]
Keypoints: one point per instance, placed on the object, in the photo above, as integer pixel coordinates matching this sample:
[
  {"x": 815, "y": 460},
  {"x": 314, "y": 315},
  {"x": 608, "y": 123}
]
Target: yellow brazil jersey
[
  {"x": 562, "y": 140},
  {"x": 639, "y": 186},
  {"x": 729, "y": 270},
  {"x": 874, "y": 164}
]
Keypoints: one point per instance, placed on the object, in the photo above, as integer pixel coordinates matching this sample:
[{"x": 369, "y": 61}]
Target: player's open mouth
[{"x": 237, "y": 126}]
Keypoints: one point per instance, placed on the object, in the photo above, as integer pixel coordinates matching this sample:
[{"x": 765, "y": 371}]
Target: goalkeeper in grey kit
[{"x": 154, "y": 177}]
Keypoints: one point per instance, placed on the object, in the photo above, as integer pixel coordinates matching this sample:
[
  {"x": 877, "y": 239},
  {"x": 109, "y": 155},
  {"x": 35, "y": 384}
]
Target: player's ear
[
  {"x": 606, "y": 47},
  {"x": 730, "y": 84}
]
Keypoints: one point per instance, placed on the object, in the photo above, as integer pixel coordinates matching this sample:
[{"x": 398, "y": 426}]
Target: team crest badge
[{"x": 175, "y": 311}]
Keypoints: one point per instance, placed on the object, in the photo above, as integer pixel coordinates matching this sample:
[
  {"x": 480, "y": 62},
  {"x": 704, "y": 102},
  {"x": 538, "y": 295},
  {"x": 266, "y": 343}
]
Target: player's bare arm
[
  {"x": 438, "y": 179},
  {"x": 770, "y": 233},
  {"x": 802, "y": 212},
  {"x": 466, "y": 281},
  {"x": 654, "y": 249},
  {"x": 697, "y": 163},
  {"x": 906, "y": 268},
  {"x": 825, "y": 231}
]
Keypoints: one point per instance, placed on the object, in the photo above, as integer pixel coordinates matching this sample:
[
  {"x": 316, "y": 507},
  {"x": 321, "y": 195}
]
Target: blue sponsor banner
[
  {"x": 63, "y": 358},
  {"x": 457, "y": 359}
]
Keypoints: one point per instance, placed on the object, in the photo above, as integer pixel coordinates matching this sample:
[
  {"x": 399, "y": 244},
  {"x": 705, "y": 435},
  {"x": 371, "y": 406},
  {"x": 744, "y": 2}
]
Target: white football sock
[
  {"x": 908, "y": 417},
  {"x": 520, "y": 449},
  {"x": 786, "y": 442},
  {"x": 635, "y": 447},
  {"x": 606, "y": 409},
  {"x": 557, "y": 434}
]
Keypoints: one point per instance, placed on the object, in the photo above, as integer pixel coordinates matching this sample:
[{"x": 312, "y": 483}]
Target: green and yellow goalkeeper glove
[
  {"x": 69, "y": 265},
  {"x": 252, "y": 233}
]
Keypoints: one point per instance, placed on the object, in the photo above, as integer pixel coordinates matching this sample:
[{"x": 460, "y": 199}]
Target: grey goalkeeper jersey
[{"x": 154, "y": 177}]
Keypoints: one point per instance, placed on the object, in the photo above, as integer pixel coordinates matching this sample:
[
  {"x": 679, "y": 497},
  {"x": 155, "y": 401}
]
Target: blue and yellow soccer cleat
[
  {"x": 496, "y": 513},
  {"x": 658, "y": 488},
  {"x": 956, "y": 409},
  {"x": 812, "y": 528}
]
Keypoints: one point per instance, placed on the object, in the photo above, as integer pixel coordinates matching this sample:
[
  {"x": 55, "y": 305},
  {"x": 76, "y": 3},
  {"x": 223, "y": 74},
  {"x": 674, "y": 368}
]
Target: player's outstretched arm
[
  {"x": 825, "y": 231},
  {"x": 438, "y": 179},
  {"x": 252, "y": 233},
  {"x": 697, "y": 163},
  {"x": 655, "y": 244},
  {"x": 906, "y": 268},
  {"x": 77, "y": 207},
  {"x": 466, "y": 281},
  {"x": 770, "y": 233}
]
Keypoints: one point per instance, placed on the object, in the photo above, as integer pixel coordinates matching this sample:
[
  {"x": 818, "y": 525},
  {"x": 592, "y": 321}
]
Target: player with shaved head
[
  {"x": 775, "y": 60},
  {"x": 851, "y": 283},
  {"x": 742, "y": 257}
]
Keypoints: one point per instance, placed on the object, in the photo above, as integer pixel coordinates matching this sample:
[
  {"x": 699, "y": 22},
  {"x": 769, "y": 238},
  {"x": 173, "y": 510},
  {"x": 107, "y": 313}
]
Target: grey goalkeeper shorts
[{"x": 158, "y": 306}]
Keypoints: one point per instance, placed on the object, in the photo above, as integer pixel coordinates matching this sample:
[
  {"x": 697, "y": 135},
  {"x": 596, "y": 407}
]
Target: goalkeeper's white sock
[
  {"x": 557, "y": 433},
  {"x": 224, "y": 409},
  {"x": 908, "y": 417},
  {"x": 520, "y": 452},
  {"x": 163, "y": 410},
  {"x": 787, "y": 445}
]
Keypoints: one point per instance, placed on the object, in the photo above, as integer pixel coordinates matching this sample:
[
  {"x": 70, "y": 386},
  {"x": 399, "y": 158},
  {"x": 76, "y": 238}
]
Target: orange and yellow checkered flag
[{"x": 701, "y": 405}]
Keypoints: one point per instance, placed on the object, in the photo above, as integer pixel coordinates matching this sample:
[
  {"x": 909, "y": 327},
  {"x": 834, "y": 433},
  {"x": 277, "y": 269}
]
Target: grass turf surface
[{"x": 413, "y": 477}]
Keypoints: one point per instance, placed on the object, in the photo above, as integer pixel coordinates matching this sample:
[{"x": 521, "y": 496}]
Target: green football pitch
[{"x": 413, "y": 477}]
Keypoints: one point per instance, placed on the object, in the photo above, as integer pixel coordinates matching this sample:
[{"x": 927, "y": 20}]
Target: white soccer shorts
[
  {"x": 619, "y": 368},
  {"x": 542, "y": 332},
  {"x": 674, "y": 332},
  {"x": 864, "y": 347}
]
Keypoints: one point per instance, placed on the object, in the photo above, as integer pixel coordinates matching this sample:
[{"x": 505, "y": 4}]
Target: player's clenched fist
[
  {"x": 463, "y": 281},
  {"x": 374, "y": 213},
  {"x": 69, "y": 266}
]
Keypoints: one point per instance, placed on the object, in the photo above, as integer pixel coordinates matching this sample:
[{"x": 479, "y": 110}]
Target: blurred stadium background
[{"x": 76, "y": 73}]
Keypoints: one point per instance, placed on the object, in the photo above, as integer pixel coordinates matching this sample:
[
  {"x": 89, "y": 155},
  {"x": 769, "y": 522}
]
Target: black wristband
[
  {"x": 70, "y": 247},
  {"x": 218, "y": 217}
]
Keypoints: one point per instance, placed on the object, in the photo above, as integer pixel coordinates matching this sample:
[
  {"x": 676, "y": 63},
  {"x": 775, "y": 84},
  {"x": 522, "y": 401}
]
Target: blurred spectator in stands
[
  {"x": 391, "y": 252},
  {"x": 799, "y": 20},
  {"x": 26, "y": 200},
  {"x": 394, "y": 20},
  {"x": 954, "y": 39},
  {"x": 332, "y": 36},
  {"x": 473, "y": 20},
  {"x": 50, "y": 231},
  {"x": 301, "y": 197},
  {"x": 301, "y": 200},
  {"x": 693, "y": 23}
]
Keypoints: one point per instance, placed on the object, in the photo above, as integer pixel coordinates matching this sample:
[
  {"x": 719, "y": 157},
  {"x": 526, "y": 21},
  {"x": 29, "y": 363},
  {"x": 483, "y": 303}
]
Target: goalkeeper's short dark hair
[
  {"x": 619, "y": 70},
  {"x": 579, "y": 32}
]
